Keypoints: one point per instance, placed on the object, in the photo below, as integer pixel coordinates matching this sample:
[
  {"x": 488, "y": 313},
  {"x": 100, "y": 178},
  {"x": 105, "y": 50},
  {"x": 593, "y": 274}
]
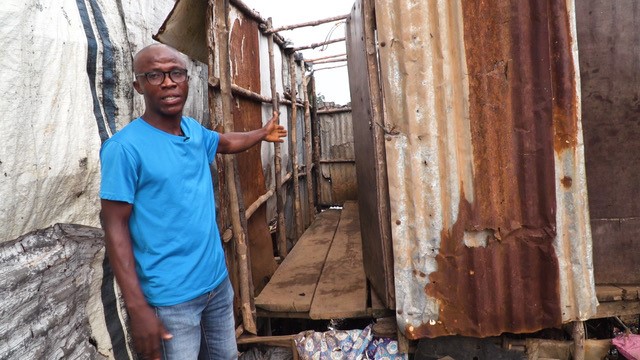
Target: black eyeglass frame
[{"x": 171, "y": 73}]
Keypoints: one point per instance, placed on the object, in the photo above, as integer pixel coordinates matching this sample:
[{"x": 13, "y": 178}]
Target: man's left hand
[{"x": 275, "y": 131}]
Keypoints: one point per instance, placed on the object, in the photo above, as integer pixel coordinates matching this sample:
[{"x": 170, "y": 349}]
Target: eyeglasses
[{"x": 157, "y": 77}]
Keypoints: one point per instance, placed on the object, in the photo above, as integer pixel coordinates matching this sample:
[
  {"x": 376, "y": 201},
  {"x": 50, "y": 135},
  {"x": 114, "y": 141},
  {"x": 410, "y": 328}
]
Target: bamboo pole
[
  {"x": 327, "y": 61},
  {"x": 221, "y": 11},
  {"x": 309, "y": 23},
  {"x": 330, "y": 67},
  {"x": 281, "y": 234},
  {"x": 325, "y": 57},
  {"x": 315, "y": 45},
  {"x": 294, "y": 147},
  {"x": 307, "y": 148}
]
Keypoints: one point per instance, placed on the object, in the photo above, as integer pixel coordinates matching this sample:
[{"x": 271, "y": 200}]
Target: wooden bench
[{"x": 323, "y": 275}]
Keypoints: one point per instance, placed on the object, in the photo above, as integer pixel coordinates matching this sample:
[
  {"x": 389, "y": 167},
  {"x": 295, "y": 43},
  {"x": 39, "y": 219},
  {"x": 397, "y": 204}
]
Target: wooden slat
[
  {"x": 342, "y": 288},
  {"x": 608, "y": 293},
  {"x": 293, "y": 284},
  {"x": 617, "y": 308}
]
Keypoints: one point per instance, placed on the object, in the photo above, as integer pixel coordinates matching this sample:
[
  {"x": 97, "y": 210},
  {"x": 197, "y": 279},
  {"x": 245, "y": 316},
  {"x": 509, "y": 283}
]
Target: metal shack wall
[
  {"x": 485, "y": 160},
  {"x": 337, "y": 182}
]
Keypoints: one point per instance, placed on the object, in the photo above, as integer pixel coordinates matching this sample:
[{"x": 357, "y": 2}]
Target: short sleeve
[
  {"x": 211, "y": 140},
  {"x": 118, "y": 173}
]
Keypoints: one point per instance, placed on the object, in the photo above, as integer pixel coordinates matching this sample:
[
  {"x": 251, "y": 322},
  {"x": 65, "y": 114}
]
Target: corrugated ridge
[{"x": 474, "y": 216}]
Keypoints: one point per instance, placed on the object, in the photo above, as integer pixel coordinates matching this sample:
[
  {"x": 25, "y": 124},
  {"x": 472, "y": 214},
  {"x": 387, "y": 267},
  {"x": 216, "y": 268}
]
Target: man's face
[{"x": 168, "y": 98}]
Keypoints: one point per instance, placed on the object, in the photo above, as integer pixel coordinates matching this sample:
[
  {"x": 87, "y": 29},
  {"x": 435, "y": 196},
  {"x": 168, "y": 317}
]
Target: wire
[{"x": 330, "y": 33}]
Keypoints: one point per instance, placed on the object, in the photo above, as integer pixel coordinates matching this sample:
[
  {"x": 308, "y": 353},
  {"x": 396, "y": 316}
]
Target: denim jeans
[{"x": 202, "y": 328}]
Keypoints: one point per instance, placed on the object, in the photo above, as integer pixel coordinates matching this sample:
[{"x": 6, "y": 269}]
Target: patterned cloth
[{"x": 346, "y": 345}]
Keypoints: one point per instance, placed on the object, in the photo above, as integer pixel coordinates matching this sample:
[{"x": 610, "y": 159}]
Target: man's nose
[{"x": 167, "y": 81}]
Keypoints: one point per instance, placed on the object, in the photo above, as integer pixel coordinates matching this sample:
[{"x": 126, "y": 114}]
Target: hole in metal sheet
[{"x": 478, "y": 238}]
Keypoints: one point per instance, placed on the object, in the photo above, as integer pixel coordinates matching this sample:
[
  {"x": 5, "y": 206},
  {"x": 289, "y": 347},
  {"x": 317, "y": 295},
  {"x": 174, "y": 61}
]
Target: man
[{"x": 158, "y": 213}]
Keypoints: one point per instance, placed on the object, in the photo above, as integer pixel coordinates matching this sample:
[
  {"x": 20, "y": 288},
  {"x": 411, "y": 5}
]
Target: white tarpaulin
[{"x": 66, "y": 70}]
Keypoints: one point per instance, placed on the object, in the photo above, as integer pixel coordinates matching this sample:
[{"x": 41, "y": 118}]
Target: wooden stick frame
[{"x": 309, "y": 23}]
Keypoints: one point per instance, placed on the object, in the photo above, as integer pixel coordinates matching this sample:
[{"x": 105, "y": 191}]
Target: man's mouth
[{"x": 170, "y": 98}]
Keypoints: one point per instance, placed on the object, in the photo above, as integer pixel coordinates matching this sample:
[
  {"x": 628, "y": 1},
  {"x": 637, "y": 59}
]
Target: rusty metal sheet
[
  {"x": 184, "y": 29},
  {"x": 337, "y": 159},
  {"x": 609, "y": 73},
  {"x": 489, "y": 212},
  {"x": 247, "y": 116},
  {"x": 371, "y": 167}
]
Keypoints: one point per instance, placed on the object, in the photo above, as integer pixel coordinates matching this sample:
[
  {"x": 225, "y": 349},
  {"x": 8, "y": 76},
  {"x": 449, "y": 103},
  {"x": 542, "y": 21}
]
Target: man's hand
[
  {"x": 275, "y": 131},
  {"x": 147, "y": 331}
]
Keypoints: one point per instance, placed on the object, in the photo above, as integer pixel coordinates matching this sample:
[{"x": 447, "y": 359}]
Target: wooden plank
[
  {"x": 617, "y": 308},
  {"x": 630, "y": 292},
  {"x": 606, "y": 293},
  {"x": 292, "y": 286},
  {"x": 342, "y": 288}
]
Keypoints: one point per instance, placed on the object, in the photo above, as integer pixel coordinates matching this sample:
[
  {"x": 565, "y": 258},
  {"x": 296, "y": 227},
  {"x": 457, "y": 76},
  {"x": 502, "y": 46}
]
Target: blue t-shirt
[{"x": 175, "y": 238}]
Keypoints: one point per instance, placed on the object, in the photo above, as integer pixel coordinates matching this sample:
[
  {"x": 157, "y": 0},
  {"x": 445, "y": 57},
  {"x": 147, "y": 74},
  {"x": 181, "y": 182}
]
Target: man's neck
[{"x": 167, "y": 124}]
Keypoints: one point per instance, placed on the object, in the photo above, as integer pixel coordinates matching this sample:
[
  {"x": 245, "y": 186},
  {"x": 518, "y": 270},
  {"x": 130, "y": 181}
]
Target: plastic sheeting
[{"x": 66, "y": 66}]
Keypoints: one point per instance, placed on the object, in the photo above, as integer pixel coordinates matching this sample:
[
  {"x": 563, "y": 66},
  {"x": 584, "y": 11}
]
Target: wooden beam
[
  {"x": 325, "y": 57},
  {"x": 281, "y": 234},
  {"x": 310, "y": 23},
  {"x": 315, "y": 45},
  {"x": 308, "y": 148},
  {"x": 617, "y": 308},
  {"x": 334, "y": 111},
  {"x": 293, "y": 130},
  {"x": 330, "y": 67},
  {"x": 221, "y": 12},
  {"x": 263, "y": 339},
  {"x": 328, "y": 61},
  {"x": 315, "y": 121}
]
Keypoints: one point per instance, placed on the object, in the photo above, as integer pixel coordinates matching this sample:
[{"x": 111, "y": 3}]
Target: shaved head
[{"x": 151, "y": 51}]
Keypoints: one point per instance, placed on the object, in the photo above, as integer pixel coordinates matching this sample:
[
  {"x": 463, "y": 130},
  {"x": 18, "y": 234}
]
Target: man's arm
[
  {"x": 235, "y": 142},
  {"x": 146, "y": 328}
]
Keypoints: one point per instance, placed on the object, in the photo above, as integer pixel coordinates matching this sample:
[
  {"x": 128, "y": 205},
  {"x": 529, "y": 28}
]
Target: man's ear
[{"x": 138, "y": 87}]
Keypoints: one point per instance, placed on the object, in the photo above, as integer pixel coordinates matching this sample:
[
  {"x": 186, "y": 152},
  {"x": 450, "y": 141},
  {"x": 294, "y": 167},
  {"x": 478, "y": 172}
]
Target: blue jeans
[{"x": 202, "y": 328}]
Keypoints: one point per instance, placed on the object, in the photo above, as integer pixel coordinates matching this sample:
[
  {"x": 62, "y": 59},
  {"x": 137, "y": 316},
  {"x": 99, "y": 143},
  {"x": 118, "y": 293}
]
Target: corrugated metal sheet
[
  {"x": 337, "y": 181},
  {"x": 610, "y": 75},
  {"x": 489, "y": 218}
]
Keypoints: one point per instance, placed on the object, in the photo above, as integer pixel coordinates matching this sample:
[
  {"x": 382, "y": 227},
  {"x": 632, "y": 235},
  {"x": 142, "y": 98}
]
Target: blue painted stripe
[
  {"x": 92, "y": 56},
  {"x": 108, "y": 67}
]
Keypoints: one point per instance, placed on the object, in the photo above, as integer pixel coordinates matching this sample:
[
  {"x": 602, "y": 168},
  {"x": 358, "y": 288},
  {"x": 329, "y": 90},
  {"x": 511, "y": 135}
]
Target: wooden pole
[
  {"x": 309, "y": 23},
  {"x": 294, "y": 147},
  {"x": 327, "y": 61},
  {"x": 315, "y": 45},
  {"x": 330, "y": 67},
  {"x": 316, "y": 137},
  {"x": 281, "y": 233},
  {"x": 308, "y": 147},
  {"x": 262, "y": 199},
  {"x": 578, "y": 340},
  {"x": 335, "y": 111},
  {"x": 221, "y": 9},
  {"x": 325, "y": 57}
]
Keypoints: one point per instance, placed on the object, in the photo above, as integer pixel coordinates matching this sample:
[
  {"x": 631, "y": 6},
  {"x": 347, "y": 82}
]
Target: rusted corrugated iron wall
[
  {"x": 484, "y": 154},
  {"x": 337, "y": 180},
  {"x": 609, "y": 72}
]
